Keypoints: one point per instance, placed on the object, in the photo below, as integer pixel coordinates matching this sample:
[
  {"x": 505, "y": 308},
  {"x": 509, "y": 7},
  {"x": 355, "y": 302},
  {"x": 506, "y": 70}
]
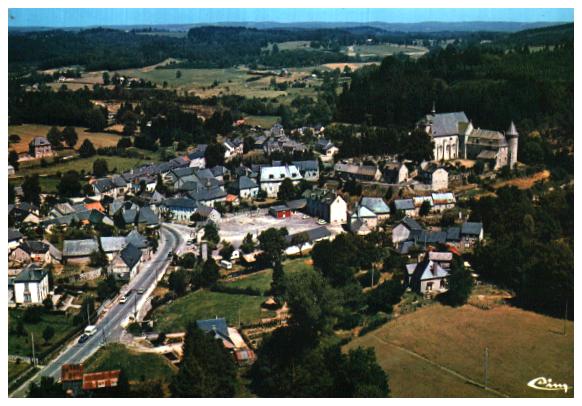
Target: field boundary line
[{"x": 442, "y": 367}]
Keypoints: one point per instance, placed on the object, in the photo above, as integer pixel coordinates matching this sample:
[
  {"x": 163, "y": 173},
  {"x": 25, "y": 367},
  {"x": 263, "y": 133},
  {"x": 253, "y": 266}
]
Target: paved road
[{"x": 109, "y": 327}]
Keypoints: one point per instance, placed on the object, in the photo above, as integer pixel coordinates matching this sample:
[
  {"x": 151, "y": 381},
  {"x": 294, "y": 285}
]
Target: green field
[
  {"x": 138, "y": 366},
  {"x": 22, "y": 345},
  {"x": 263, "y": 121},
  {"x": 433, "y": 344},
  {"x": 15, "y": 369},
  {"x": 204, "y": 304},
  {"x": 382, "y": 50},
  {"x": 290, "y": 46}
]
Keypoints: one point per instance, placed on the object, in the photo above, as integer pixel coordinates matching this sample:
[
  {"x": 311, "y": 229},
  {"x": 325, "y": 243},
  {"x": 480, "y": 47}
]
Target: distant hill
[
  {"x": 542, "y": 36},
  {"x": 421, "y": 27}
]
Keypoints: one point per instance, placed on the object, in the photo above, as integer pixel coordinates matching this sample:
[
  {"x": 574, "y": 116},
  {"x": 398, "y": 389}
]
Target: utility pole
[
  {"x": 134, "y": 307},
  {"x": 33, "y": 355},
  {"x": 103, "y": 338},
  {"x": 372, "y": 276},
  {"x": 88, "y": 316},
  {"x": 486, "y": 366}
]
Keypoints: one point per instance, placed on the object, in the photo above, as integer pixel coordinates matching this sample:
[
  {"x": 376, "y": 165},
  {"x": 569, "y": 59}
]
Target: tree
[
  {"x": 47, "y": 388},
  {"x": 70, "y": 184},
  {"x": 178, "y": 74},
  {"x": 106, "y": 78},
  {"x": 275, "y": 49},
  {"x": 211, "y": 233},
  {"x": 31, "y": 189},
  {"x": 424, "y": 208},
  {"x": 11, "y": 193},
  {"x": 384, "y": 296},
  {"x": 418, "y": 147},
  {"x": 13, "y": 159},
  {"x": 287, "y": 190},
  {"x": 54, "y": 136},
  {"x": 248, "y": 244},
  {"x": 206, "y": 369},
  {"x": 96, "y": 120},
  {"x": 299, "y": 240},
  {"x": 107, "y": 288},
  {"x": 214, "y": 154},
  {"x": 87, "y": 149},
  {"x": 226, "y": 250},
  {"x": 124, "y": 143},
  {"x": 70, "y": 137},
  {"x": 209, "y": 274},
  {"x": 98, "y": 259},
  {"x": 48, "y": 333},
  {"x": 100, "y": 168},
  {"x": 272, "y": 242},
  {"x": 460, "y": 284},
  {"x": 278, "y": 283},
  {"x": 179, "y": 281}
]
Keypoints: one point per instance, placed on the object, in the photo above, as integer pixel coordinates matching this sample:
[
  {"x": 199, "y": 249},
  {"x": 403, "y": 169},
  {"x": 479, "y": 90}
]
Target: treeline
[
  {"x": 530, "y": 248},
  {"x": 493, "y": 87}
]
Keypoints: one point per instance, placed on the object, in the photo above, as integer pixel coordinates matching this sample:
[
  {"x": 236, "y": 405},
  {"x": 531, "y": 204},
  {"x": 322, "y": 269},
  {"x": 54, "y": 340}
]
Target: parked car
[
  {"x": 122, "y": 299},
  {"x": 90, "y": 330},
  {"x": 321, "y": 222},
  {"x": 83, "y": 338},
  {"x": 141, "y": 291},
  {"x": 226, "y": 264}
]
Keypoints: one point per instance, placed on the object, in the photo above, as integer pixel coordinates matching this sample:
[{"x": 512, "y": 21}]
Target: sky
[{"x": 103, "y": 16}]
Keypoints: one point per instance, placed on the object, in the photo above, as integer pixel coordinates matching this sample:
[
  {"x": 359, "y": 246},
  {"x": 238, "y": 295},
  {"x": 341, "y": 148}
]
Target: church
[{"x": 455, "y": 137}]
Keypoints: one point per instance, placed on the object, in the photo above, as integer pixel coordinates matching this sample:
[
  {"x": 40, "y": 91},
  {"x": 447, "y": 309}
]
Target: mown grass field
[
  {"x": 22, "y": 345},
  {"x": 204, "y": 304},
  {"x": 263, "y": 121},
  {"x": 522, "y": 346},
  {"x": 138, "y": 366},
  {"x": 383, "y": 50},
  {"x": 15, "y": 369},
  {"x": 27, "y": 132}
]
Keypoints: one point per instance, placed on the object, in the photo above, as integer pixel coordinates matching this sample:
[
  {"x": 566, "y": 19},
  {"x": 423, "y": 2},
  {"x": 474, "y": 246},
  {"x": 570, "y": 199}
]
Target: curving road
[{"x": 109, "y": 326}]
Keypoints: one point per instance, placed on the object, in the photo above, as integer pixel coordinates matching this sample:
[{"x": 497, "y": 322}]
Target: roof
[
  {"x": 39, "y": 142},
  {"x": 365, "y": 170},
  {"x": 296, "y": 204},
  {"x": 280, "y": 207},
  {"x": 71, "y": 372},
  {"x": 404, "y": 204},
  {"x": 443, "y": 198},
  {"x": 217, "y": 325},
  {"x": 14, "y": 234},
  {"x": 112, "y": 244},
  {"x": 487, "y": 154},
  {"x": 364, "y": 212},
  {"x": 487, "y": 138},
  {"x": 34, "y": 247},
  {"x": 79, "y": 248},
  {"x": 471, "y": 228},
  {"x": 411, "y": 223},
  {"x": 512, "y": 131},
  {"x": 311, "y": 165},
  {"x": 454, "y": 234},
  {"x": 180, "y": 203},
  {"x": 430, "y": 270},
  {"x": 130, "y": 255},
  {"x": 147, "y": 216},
  {"x": 313, "y": 234},
  {"x": 31, "y": 273},
  {"x": 204, "y": 194},
  {"x": 98, "y": 380},
  {"x": 431, "y": 237},
  {"x": 278, "y": 173},
  {"x": 447, "y": 123},
  {"x": 136, "y": 239},
  {"x": 376, "y": 204},
  {"x": 440, "y": 256},
  {"x": 129, "y": 216}
]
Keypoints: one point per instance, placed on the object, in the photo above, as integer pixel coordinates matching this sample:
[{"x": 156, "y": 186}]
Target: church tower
[{"x": 512, "y": 136}]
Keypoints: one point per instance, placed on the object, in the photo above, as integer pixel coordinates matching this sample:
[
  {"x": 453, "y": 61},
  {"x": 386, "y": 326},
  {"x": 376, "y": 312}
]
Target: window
[{"x": 429, "y": 286}]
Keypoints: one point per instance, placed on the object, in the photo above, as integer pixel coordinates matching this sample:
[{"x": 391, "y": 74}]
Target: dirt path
[{"x": 442, "y": 367}]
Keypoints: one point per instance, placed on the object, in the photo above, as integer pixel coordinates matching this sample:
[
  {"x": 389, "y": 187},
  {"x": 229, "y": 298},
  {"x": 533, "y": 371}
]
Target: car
[
  {"x": 226, "y": 264},
  {"x": 170, "y": 254},
  {"x": 90, "y": 330},
  {"x": 321, "y": 222},
  {"x": 83, "y": 338},
  {"x": 141, "y": 291},
  {"x": 305, "y": 217},
  {"x": 122, "y": 299}
]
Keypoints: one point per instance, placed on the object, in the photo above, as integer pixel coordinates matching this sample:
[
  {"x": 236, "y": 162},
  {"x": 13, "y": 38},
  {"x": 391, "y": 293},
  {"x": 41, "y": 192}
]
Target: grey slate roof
[
  {"x": 136, "y": 239},
  {"x": 14, "y": 234},
  {"x": 112, "y": 244},
  {"x": 311, "y": 165},
  {"x": 79, "y": 248},
  {"x": 130, "y": 255},
  {"x": 471, "y": 228},
  {"x": 376, "y": 204},
  {"x": 313, "y": 234},
  {"x": 447, "y": 123},
  {"x": 217, "y": 326},
  {"x": 147, "y": 216},
  {"x": 454, "y": 234},
  {"x": 404, "y": 204},
  {"x": 411, "y": 223},
  {"x": 31, "y": 273},
  {"x": 244, "y": 182},
  {"x": 179, "y": 203},
  {"x": 204, "y": 195},
  {"x": 35, "y": 247}
]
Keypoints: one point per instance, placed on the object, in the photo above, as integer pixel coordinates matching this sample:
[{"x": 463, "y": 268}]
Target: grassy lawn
[
  {"x": 262, "y": 280},
  {"x": 27, "y": 132},
  {"x": 522, "y": 346},
  {"x": 138, "y": 366},
  {"x": 21, "y": 345},
  {"x": 385, "y": 50},
  {"x": 15, "y": 369},
  {"x": 263, "y": 121},
  {"x": 204, "y": 304},
  {"x": 119, "y": 164}
]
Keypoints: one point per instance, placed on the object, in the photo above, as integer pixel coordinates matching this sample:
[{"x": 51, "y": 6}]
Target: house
[
  {"x": 245, "y": 187},
  {"x": 181, "y": 209},
  {"x": 125, "y": 265},
  {"x": 280, "y": 211},
  {"x": 443, "y": 201},
  {"x": 208, "y": 196},
  {"x": 271, "y": 178},
  {"x": 230, "y": 337},
  {"x": 377, "y": 205},
  {"x": 396, "y": 173},
  {"x": 436, "y": 178},
  {"x": 327, "y": 149},
  {"x": 427, "y": 277},
  {"x": 40, "y": 147},
  {"x": 471, "y": 234},
  {"x": 419, "y": 201},
  {"x": 112, "y": 245},
  {"x": 11, "y": 170},
  {"x": 444, "y": 259},
  {"x": 406, "y": 206},
  {"x": 327, "y": 205},
  {"x": 232, "y": 149},
  {"x": 147, "y": 217},
  {"x": 208, "y": 213},
  {"x": 137, "y": 240},
  {"x": 197, "y": 159},
  {"x": 404, "y": 229},
  {"x": 79, "y": 251},
  {"x": 95, "y": 381},
  {"x": 114, "y": 187},
  {"x": 357, "y": 172},
  {"x": 363, "y": 220},
  {"x": 31, "y": 285},
  {"x": 304, "y": 241},
  {"x": 15, "y": 237},
  {"x": 308, "y": 169},
  {"x": 38, "y": 251}
]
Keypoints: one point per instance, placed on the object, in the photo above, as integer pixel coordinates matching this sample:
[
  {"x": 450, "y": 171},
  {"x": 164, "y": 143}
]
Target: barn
[{"x": 282, "y": 211}]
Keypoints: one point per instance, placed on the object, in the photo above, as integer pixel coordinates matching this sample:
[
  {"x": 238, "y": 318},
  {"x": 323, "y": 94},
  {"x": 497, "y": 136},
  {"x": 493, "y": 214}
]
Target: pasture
[
  {"x": 382, "y": 50},
  {"x": 434, "y": 351}
]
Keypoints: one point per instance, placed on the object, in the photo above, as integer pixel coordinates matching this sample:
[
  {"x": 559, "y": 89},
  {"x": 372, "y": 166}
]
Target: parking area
[{"x": 234, "y": 229}]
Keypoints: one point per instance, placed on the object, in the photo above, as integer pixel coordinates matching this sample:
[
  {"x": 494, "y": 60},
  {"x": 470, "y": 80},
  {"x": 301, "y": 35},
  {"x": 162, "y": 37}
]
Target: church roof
[{"x": 512, "y": 130}]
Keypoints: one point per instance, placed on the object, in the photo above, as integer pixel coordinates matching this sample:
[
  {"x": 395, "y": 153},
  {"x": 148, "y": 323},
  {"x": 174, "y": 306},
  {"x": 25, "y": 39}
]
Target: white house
[
  {"x": 31, "y": 286},
  {"x": 403, "y": 230},
  {"x": 272, "y": 176},
  {"x": 326, "y": 205},
  {"x": 126, "y": 264}
]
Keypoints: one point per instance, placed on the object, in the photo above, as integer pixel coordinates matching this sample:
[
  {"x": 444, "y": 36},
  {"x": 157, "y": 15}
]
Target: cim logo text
[{"x": 543, "y": 383}]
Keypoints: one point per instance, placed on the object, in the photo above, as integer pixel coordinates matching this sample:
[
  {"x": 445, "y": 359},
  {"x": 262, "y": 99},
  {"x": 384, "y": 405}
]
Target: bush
[{"x": 374, "y": 323}]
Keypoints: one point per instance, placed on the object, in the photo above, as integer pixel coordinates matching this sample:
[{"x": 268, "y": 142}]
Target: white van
[
  {"x": 226, "y": 264},
  {"x": 90, "y": 330}
]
